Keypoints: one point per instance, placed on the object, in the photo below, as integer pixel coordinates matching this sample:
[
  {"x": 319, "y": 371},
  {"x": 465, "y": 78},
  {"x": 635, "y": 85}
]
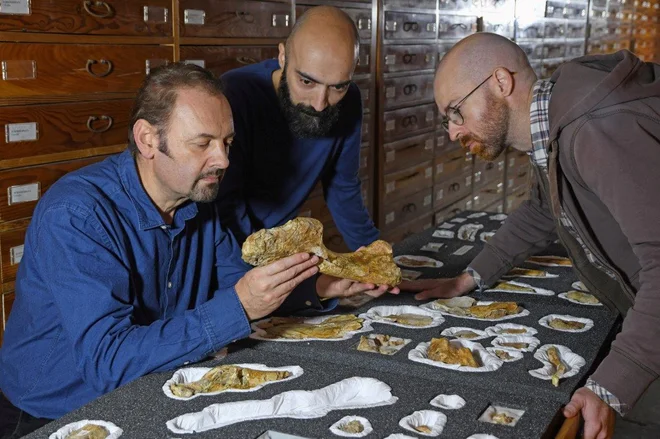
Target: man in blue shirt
[
  {"x": 298, "y": 121},
  {"x": 127, "y": 269}
]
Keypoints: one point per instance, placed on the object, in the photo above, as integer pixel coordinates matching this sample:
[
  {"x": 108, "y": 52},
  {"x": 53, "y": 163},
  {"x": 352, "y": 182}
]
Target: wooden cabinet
[
  {"x": 11, "y": 253},
  {"x": 7, "y": 300},
  {"x": 221, "y": 59}
]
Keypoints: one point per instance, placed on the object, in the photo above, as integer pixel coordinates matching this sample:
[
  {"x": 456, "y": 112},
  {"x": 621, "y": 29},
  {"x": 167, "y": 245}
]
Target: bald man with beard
[
  {"x": 593, "y": 136},
  {"x": 298, "y": 122}
]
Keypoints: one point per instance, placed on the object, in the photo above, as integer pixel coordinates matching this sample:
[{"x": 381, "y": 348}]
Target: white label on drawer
[
  {"x": 429, "y": 116},
  {"x": 16, "y": 254},
  {"x": 390, "y": 59},
  {"x": 15, "y": 7},
  {"x": 389, "y": 217},
  {"x": 21, "y": 132},
  {"x": 427, "y": 200},
  {"x": 500, "y": 208},
  {"x": 390, "y": 92},
  {"x": 428, "y": 173},
  {"x": 468, "y": 204},
  {"x": 440, "y": 194},
  {"x": 500, "y": 165},
  {"x": 23, "y": 193},
  {"x": 197, "y": 62},
  {"x": 477, "y": 177},
  {"x": 428, "y": 145},
  {"x": 155, "y": 14},
  {"x": 510, "y": 185},
  {"x": 390, "y": 187},
  {"x": 463, "y": 250},
  {"x": 512, "y": 161},
  {"x": 389, "y": 156},
  {"x": 390, "y": 125},
  {"x": 439, "y": 168},
  {"x": 194, "y": 16},
  {"x": 477, "y": 201},
  {"x": 468, "y": 180}
]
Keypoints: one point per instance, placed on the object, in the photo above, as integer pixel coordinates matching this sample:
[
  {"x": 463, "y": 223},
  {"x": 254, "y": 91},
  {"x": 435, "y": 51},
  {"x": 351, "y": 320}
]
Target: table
[{"x": 141, "y": 408}]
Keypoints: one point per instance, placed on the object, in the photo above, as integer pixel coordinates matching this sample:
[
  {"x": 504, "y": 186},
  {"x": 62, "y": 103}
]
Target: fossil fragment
[
  {"x": 566, "y": 324},
  {"x": 296, "y": 327},
  {"x": 555, "y": 360},
  {"x": 89, "y": 431},
  {"x": 227, "y": 377},
  {"x": 441, "y": 350}
]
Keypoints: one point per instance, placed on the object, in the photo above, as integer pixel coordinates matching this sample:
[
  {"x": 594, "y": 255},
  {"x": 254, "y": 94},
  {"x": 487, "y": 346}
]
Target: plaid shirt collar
[{"x": 540, "y": 122}]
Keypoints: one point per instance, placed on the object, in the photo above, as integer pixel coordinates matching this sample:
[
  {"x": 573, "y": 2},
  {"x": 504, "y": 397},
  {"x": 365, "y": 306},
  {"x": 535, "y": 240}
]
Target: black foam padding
[{"x": 141, "y": 408}]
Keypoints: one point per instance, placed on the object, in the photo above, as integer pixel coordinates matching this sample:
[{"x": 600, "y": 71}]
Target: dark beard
[
  {"x": 304, "y": 121},
  {"x": 493, "y": 141}
]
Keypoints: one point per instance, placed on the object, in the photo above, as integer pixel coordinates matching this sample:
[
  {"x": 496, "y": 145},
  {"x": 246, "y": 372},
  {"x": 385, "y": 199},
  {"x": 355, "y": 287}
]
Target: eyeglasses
[{"x": 453, "y": 113}]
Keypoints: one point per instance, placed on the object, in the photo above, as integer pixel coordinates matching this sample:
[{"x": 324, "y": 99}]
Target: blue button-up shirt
[{"x": 107, "y": 292}]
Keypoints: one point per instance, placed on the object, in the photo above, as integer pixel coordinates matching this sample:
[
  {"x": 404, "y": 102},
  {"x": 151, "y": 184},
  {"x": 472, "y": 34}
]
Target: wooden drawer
[
  {"x": 21, "y": 188},
  {"x": 497, "y": 207},
  {"x": 456, "y": 26},
  {"x": 418, "y": 4},
  {"x": 407, "y": 26},
  {"x": 35, "y": 70},
  {"x": 220, "y": 59},
  {"x": 452, "y": 190},
  {"x": 408, "y": 90},
  {"x": 361, "y": 18},
  {"x": 113, "y": 17},
  {"x": 312, "y": 207},
  {"x": 364, "y": 60},
  {"x": 365, "y": 92},
  {"x": 406, "y": 230},
  {"x": 489, "y": 194},
  {"x": 234, "y": 19},
  {"x": 451, "y": 164},
  {"x": 406, "y": 121},
  {"x": 443, "y": 144},
  {"x": 62, "y": 128},
  {"x": 365, "y": 161},
  {"x": 366, "y": 128},
  {"x": 406, "y": 58},
  {"x": 407, "y": 209},
  {"x": 514, "y": 200},
  {"x": 516, "y": 158},
  {"x": 517, "y": 177},
  {"x": 403, "y": 183},
  {"x": 485, "y": 172},
  {"x": 11, "y": 253},
  {"x": 452, "y": 210},
  {"x": 333, "y": 239},
  {"x": 408, "y": 152}
]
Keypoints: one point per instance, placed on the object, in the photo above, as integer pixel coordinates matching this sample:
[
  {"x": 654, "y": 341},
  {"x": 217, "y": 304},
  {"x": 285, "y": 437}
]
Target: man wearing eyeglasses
[{"x": 592, "y": 132}]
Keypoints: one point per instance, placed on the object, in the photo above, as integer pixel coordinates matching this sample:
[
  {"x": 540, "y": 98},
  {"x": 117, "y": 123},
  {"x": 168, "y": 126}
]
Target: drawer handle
[
  {"x": 93, "y": 119},
  {"x": 245, "y": 16},
  {"x": 91, "y": 62},
  {"x": 413, "y": 146},
  {"x": 410, "y": 26},
  {"x": 97, "y": 4},
  {"x": 461, "y": 25},
  {"x": 454, "y": 187},
  {"x": 409, "y": 121},
  {"x": 409, "y": 58},
  {"x": 246, "y": 60},
  {"x": 408, "y": 177},
  {"x": 409, "y": 89},
  {"x": 489, "y": 166},
  {"x": 410, "y": 208}
]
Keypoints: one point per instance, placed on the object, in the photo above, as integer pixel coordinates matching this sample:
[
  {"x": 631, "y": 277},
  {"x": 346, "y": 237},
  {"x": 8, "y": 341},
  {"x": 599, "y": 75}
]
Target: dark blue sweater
[{"x": 271, "y": 173}]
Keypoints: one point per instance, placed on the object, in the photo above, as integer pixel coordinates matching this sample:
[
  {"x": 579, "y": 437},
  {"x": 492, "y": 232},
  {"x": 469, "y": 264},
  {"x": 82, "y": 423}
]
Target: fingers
[
  {"x": 571, "y": 409},
  {"x": 419, "y": 285},
  {"x": 284, "y": 288},
  {"x": 432, "y": 294},
  {"x": 593, "y": 429},
  {"x": 288, "y": 262},
  {"x": 292, "y": 271}
]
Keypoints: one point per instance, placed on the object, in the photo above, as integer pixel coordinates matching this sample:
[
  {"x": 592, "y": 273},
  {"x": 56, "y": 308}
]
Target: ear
[
  {"x": 504, "y": 81},
  {"x": 281, "y": 57},
  {"x": 146, "y": 138}
]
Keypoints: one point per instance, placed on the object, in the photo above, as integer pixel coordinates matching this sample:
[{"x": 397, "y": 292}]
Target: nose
[
  {"x": 320, "y": 101},
  {"x": 454, "y": 131},
  {"x": 219, "y": 156}
]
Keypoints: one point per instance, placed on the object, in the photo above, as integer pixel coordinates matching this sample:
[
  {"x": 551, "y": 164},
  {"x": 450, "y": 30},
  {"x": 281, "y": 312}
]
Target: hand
[
  {"x": 263, "y": 289},
  {"x": 440, "y": 288},
  {"x": 598, "y": 416},
  {"x": 330, "y": 286}
]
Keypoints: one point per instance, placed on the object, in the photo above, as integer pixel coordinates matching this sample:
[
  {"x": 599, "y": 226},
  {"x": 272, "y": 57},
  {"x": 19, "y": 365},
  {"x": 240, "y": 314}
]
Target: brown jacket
[{"x": 604, "y": 170}]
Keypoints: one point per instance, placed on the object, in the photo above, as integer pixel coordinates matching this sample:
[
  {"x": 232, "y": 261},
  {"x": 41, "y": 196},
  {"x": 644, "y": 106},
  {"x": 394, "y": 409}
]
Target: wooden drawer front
[
  {"x": 312, "y": 207},
  {"x": 111, "y": 17},
  {"x": 502, "y": 27},
  {"x": 21, "y": 188},
  {"x": 443, "y": 144},
  {"x": 514, "y": 200},
  {"x": 517, "y": 177},
  {"x": 418, "y": 4},
  {"x": 485, "y": 172},
  {"x": 64, "y": 69},
  {"x": 364, "y": 60},
  {"x": 407, "y": 209},
  {"x": 366, "y": 128},
  {"x": 452, "y": 190},
  {"x": 497, "y": 207},
  {"x": 408, "y": 229},
  {"x": 453, "y": 210},
  {"x": 456, "y": 26},
  {"x": 333, "y": 239},
  {"x": 407, "y": 58},
  {"x": 406, "y": 121},
  {"x": 408, "y": 90},
  {"x": 365, "y": 161},
  {"x": 234, "y": 18},
  {"x": 365, "y": 92},
  {"x": 220, "y": 59},
  {"x": 11, "y": 252},
  {"x": 488, "y": 195},
  {"x": 406, "y": 26},
  {"x": 62, "y": 127},
  {"x": 451, "y": 164},
  {"x": 403, "y": 183},
  {"x": 408, "y": 152},
  {"x": 516, "y": 158}
]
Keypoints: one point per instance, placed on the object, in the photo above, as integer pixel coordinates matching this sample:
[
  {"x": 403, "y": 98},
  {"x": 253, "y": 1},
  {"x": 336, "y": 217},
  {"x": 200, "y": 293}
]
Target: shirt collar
[
  {"x": 540, "y": 122},
  {"x": 147, "y": 213}
]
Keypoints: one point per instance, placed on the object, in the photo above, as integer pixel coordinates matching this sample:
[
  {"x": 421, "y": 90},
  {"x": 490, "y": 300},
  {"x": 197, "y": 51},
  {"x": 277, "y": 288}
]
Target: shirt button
[
  {"x": 169, "y": 285},
  {"x": 308, "y": 303},
  {"x": 186, "y": 362},
  {"x": 163, "y": 227}
]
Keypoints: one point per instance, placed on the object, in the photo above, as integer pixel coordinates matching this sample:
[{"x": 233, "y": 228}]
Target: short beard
[
  {"x": 304, "y": 121},
  {"x": 203, "y": 192},
  {"x": 493, "y": 141}
]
